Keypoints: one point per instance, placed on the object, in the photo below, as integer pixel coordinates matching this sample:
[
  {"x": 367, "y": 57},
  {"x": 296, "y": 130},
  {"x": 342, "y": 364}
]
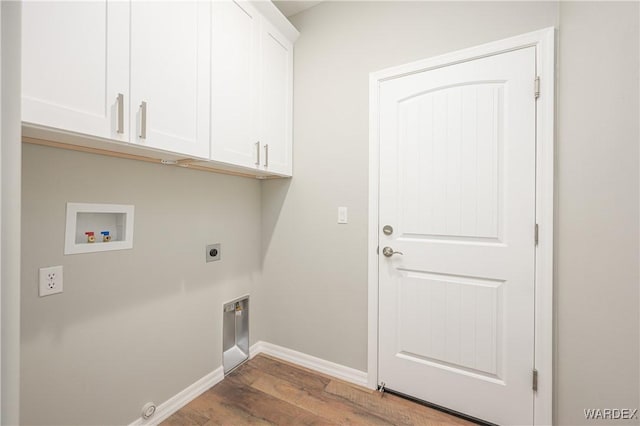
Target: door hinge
[
  {"x": 536, "y": 88},
  {"x": 534, "y": 384},
  {"x": 536, "y": 234}
]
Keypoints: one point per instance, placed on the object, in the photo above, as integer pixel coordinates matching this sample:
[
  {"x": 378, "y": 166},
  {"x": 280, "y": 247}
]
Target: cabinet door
[
  {"x": 75, "y": 62},
  {"x": 276, "y": 98},
  {"x": 234, "y": 78},
  {"x": 170, "y": 54}
]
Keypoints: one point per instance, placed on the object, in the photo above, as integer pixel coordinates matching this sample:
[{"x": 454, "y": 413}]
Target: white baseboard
[
  {"x": 338, "y": 371},
  {"x": 176, "y": 402}
]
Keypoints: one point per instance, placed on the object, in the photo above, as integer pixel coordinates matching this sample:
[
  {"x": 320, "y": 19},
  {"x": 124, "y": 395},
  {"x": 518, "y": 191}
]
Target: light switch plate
[{"x": 342, "y": 215}]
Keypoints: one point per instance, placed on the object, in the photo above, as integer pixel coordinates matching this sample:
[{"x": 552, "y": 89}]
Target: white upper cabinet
[
  {"x": 252, "y": 82},
  {"x": 276, "y": 99},
  {"x": 205, "y": 82},
  {"x": 170, "y": 57},
  {"x": 75, "y": 64},
  {"x": 234, "y": 83}
]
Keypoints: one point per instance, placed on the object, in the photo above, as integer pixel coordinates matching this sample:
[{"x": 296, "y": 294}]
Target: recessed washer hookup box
[{"x": 235, "y": 333}]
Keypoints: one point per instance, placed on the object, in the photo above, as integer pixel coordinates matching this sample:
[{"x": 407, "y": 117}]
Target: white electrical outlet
[{"x": 50, "y": 280}]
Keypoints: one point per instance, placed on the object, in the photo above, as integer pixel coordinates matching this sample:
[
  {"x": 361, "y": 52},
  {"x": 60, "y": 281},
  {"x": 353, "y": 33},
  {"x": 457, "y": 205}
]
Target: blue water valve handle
[
  {"x": 105, "y": 236},
  {"x": 105, "y": 233}
]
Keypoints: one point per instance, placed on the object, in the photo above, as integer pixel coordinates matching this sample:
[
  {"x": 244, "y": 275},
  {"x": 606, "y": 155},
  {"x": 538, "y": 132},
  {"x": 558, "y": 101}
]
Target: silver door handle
[
  {"x": 143, "y": 120},
  {"x": 257, "y": 163},
  {"x": 266, "y": 155},
  {"x": 388, "y": 251},
  {"x": 120, "y": 128}
]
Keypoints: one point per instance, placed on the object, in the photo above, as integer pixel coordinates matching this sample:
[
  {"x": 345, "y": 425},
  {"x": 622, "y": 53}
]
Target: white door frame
[{"x": 544, "y": 42}]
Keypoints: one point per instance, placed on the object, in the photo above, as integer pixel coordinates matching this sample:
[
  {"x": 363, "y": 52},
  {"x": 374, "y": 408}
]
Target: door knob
[{"x": 388, "y": 251}]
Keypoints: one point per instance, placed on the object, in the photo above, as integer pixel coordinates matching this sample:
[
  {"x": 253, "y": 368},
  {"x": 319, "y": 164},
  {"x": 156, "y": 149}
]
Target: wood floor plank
[
  {"x": 267, "y": 391},
  {"x": 265, "y": 406},
  {"x": 398, "y": 410},
  {"x": 186, "y": 417},
  {"x": 246, "y": 373},
  {"x": 316, "y": 403},
  {"x": 220, "y": 412},
  {"x": 294, "y": 374}
]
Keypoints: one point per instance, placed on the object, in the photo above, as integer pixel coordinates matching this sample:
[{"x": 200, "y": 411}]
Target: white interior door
[
  {"x": 170, "y": 75},
  {"x": 457, "y": 184}
]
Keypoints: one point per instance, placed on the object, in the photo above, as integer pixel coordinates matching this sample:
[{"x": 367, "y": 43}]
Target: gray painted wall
[
  {"x": 314, "y": 291},
  {"x": 10, "y": 215},
  {"x": 597, "y": 209},
  {"x": 135, "y": 325},
  {"x": 326, "y": 264}
]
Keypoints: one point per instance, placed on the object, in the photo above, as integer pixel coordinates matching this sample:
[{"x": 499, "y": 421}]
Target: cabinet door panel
[
  {"x": 276, "y": 99},
  {"x": 170, "y": 54},
  {"x": 75, "y": 62},
  {"x": 234, "y": 101}
]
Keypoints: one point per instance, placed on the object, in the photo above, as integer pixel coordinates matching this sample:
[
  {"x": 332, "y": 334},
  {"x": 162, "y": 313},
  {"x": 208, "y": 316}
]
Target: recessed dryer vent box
[
  {"x": 235, "y": 333},
  {"x": 98, "y": 227}
]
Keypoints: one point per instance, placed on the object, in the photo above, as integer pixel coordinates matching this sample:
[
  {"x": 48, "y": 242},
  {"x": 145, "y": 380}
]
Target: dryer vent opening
[{"x": 235, "y": 333}]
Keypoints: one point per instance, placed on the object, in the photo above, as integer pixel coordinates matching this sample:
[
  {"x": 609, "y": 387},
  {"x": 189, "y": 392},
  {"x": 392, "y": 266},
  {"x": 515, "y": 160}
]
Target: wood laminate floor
[{"x": 267, "y": 391}]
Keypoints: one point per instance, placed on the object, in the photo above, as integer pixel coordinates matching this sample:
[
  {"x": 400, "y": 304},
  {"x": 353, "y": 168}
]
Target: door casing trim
[{"x": 544, "y": 42}]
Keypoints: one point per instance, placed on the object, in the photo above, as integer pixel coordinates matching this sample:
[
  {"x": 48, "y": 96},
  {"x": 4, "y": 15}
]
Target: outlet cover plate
[
  {"x": 214, "y": 252},
  {"x": 50, "y": 280}
]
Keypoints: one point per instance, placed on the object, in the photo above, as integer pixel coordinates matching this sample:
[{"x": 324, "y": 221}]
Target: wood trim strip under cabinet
[{"x": 186, "y": 163}]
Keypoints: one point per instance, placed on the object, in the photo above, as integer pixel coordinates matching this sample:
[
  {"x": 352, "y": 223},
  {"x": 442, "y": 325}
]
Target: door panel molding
[{"x": 544, "y": 42}]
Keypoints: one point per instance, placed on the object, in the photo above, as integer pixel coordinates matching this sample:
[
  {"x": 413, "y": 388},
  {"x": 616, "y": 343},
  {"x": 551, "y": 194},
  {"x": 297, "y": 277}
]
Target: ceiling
[{"x": 291, "y": 7}]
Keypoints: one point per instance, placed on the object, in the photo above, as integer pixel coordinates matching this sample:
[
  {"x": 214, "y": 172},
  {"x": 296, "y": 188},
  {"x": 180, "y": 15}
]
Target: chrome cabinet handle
[
  {"x": 143, "y": 120},
  {"x": 120, "y": 128},
  {"x": 266, "y": 155},
  {"x": 257, "y": 163},
  {"x": 388, "y": 251}
]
